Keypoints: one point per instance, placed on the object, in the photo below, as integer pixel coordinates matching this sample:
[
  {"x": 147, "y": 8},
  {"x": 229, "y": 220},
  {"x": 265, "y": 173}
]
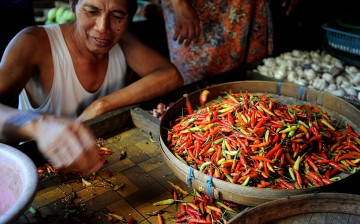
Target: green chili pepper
[
  {"x": 202, "y": 167},
  {"x": 333, "y": 179},
  {"x": 165, "y": 202},
  {"x": 303, "y": 123},
  {"x": 230, "y": 179},
  {"x": 218, "y": 141},
  {"x": 180, "y": 158},
  {"x": 292, "y": 174},
  {"x": 267, "y": 135},
  {"x": 288, "y": 129},
  {"x": 297, "y": 163},
  {"x": 231, "y": 153},
  {"x": 246, "y": 181}
]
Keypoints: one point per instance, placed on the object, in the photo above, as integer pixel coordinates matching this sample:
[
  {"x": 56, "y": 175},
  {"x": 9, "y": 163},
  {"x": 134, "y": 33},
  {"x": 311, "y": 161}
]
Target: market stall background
[{"x": 142, "y": 173}]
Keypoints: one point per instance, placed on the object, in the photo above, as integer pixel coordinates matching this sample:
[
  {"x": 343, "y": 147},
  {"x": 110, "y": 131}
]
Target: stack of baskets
[{"x": 343, "y": 35}]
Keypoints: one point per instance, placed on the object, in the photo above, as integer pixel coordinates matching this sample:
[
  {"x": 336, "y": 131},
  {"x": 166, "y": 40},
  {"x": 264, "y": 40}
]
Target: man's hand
[
  {"x": 69, "y": 145},
  {"x": 96, "y": 108}
]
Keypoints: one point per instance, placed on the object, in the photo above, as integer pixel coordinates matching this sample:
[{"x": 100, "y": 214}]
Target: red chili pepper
[
  {"x": 263, "y": 144},
  {"x": 192, "y": 220},
  {"x": 273, "y": 150},
  {"x": 278, "y": 153},
  {"x": 130, "y": 221},
  {"x": 180, "y": 220},
  {"x": 298, "y": 177},
  {"x": 191, "y": 210},
  {"x": 350, "y": 130},
  {"x": 350, "y": 155},
  {"x": 352, "y": 145},
  {"x": 179, "y": 215},
  {"x": 286, "y": 184},
  {"x": 230, "y": 118},
  {"x": 263, "y": 184},
  {"x": 315, "y": 177},
  {"x": 312, "y": 163},
  {"x": 188, "y": 104},
  {"x": 336, "y": 165},
  {"x": 51, "y": 168}
]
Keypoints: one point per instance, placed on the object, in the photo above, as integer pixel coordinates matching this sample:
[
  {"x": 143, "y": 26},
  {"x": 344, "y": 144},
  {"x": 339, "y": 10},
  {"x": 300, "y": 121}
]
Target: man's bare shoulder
[
  {"x": 32, "y": 33},
  {"x": 30, "y": 42}
]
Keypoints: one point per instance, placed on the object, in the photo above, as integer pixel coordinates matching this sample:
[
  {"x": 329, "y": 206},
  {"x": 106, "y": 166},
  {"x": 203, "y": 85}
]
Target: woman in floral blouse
[{"x": 206, "y": 38}]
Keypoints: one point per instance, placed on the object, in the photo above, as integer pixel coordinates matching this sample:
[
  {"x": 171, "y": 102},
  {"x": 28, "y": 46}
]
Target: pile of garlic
[{"x": 314, "y": 69}]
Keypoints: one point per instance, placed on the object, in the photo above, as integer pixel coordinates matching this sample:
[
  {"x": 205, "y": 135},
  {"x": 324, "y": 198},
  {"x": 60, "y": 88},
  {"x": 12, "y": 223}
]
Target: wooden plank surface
[{"x": 143, "y": 172}]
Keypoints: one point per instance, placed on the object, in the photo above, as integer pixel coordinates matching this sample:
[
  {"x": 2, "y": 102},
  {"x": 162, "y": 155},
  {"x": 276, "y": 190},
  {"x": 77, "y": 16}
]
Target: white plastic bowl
[{"x": 18, "y": 183}]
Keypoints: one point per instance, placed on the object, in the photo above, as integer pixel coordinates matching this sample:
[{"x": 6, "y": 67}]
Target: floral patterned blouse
[{"x": 233, "y": 33}]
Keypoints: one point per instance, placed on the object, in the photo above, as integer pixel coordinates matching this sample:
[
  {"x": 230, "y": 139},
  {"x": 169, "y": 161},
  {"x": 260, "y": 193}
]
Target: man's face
[{"x": 101, "y": 23}]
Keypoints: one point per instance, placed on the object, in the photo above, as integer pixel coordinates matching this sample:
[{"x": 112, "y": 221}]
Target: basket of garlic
[{"x": 315, "y": 70}]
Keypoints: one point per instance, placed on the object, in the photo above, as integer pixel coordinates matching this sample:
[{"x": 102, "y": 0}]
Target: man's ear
[{"x": 72, "y": 7}]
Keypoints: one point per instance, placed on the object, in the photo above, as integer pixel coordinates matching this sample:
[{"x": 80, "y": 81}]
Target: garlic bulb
[
  {"x": 309, "y": 74},
  {"x": 280, "y": 74},
  {"x": 296, "y": 53},
  {"x": 331, "y": 87},
  {"x": 356, "y": 79},
  {"x": 291, "y": 77},
  {"x": 319, "y": 83},
  {"x": 315, "y": 69},
  {"x": 301, "y": 82},
  {"x": 351, "y": 70},
  {"x": 339, "y": 92},
  {"x": 351, "y": 91},
  {"x": 328, "y": 77}
]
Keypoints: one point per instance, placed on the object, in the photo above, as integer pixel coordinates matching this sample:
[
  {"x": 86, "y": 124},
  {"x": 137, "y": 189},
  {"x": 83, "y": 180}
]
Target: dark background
[{"x": 301, "y": 30}]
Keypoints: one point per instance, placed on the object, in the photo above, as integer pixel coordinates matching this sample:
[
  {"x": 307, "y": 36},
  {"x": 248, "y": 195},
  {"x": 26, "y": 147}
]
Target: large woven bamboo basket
[
  {"x": 246, "y": 195},
  {"x": 307, "y": 208}
]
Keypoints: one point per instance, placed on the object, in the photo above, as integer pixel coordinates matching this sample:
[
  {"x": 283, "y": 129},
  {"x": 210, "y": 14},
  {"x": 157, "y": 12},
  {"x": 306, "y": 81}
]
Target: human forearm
[
  {"x": 157, "y": 83},
  {"x": 16, "y": 125},
  {"x": 67, "y": 144}
]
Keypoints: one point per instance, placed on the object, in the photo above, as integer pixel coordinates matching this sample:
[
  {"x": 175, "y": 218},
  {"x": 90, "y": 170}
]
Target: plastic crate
[{"x": 342, "y": 39}]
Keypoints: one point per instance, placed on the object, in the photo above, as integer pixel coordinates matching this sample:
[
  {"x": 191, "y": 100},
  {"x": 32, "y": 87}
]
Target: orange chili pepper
[
  {"x": 159, "y": 218},
  {"x": 261, "y": 158}
]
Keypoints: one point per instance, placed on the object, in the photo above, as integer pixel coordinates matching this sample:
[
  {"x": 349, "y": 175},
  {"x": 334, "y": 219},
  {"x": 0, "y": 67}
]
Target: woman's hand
[
  {"x": 69, "y": 145},
  {"x": 187, "y": 23}
]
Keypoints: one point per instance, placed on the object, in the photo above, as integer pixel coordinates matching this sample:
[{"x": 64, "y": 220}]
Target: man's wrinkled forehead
[{"x": 131, "y": 5}]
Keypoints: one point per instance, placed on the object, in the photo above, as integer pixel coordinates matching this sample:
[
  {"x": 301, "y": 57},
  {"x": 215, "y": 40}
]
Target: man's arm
[
  {"x": 158, "y": 77},
  {"x": 67, "y": 144},
  {"x": 18, "y": 64}
]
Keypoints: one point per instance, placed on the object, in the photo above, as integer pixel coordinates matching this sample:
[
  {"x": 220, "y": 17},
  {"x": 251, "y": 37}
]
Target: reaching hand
[
  {"x": 96, "y": 108},
  {"x": 68, "y": 145},
  {"x": 187, "y": 23}
]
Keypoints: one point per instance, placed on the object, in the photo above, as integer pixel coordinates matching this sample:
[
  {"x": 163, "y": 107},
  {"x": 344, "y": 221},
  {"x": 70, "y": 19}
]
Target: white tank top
[{"x": 67, "y": 96}]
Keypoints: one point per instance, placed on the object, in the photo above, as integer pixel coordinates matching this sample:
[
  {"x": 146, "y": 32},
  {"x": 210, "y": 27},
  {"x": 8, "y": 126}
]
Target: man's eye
[
  {"x": 92, "y": 12},
  {"x": 119, "y": 16}
]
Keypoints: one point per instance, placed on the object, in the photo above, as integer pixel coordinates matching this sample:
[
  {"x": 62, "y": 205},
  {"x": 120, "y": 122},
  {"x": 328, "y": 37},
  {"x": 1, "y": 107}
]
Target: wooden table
[{"x": 143, "y": 172}]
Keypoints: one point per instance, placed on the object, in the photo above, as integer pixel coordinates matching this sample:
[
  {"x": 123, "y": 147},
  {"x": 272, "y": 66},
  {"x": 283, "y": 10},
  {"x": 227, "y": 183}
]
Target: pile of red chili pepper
[
  {"x": 253, "y": 140},
  {"x": 201, "y": 209}
]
